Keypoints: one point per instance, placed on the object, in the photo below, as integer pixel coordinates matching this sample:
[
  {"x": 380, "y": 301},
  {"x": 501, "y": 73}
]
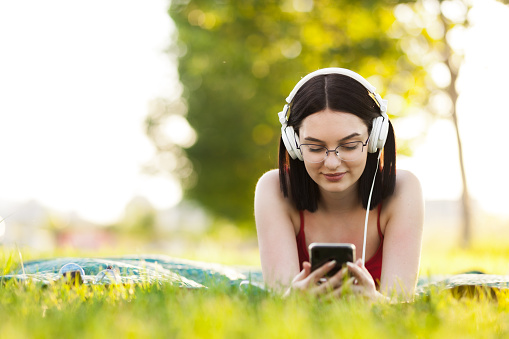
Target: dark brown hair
[{"x": 343, "y": 94}]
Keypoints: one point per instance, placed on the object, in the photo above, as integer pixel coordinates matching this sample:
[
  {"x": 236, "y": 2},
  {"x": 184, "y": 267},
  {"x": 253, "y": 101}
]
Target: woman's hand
[
  {"x": 316, "y": 282},
  {"x": 359, "y": 282},
  {"x": 362, "y": 283},
  {"x": 310, "y": 281}
]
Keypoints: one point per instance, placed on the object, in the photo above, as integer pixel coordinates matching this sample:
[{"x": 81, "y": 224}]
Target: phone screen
[{"x": 321, "y": 253}]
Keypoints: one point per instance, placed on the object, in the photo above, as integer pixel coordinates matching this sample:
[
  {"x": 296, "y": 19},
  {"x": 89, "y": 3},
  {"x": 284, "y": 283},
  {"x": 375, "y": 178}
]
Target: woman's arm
[
  {"x": 278, "y": 245},
  {"x": 402, "y": 237},
  {"x": 276, "y": 233}
]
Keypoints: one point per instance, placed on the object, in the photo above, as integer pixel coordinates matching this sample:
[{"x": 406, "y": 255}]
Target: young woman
[{"x": 337, "y": 141}]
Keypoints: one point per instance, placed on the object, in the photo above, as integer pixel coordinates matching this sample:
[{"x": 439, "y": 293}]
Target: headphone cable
[{"x": 368, "y": 209}]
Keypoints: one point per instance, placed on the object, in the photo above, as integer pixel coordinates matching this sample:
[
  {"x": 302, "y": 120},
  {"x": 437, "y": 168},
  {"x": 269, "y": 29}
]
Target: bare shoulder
[
  {"x": 268, "y": 192},
  {"x": 268, "y": 180},
  {"x": 269, "y": 200},
  {"x": 407, "y": 198},
  {"x": 407, "y": 182},
  {"x": 268, "y": 189}
]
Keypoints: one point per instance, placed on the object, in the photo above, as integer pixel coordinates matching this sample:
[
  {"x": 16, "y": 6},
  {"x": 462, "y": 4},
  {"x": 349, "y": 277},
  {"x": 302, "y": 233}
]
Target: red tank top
[{"x": 373, "y": 265}]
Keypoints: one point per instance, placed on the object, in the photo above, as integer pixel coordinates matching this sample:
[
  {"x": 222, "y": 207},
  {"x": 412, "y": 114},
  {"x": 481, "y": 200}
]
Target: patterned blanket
[
  {"x": 134, "y": 269},
  {"x": 194, "y": 274}
]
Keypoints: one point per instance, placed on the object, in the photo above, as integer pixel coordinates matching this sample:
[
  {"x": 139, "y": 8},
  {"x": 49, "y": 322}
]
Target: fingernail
[{"x": 332, "y": 263}]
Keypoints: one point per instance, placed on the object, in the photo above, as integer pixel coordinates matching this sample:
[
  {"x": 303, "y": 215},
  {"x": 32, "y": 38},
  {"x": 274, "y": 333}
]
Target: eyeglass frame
[{"x": 364, "y": 144}]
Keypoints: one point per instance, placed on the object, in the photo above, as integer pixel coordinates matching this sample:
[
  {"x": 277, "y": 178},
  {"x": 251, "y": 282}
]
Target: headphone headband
[{"x": 342, "y": 71}]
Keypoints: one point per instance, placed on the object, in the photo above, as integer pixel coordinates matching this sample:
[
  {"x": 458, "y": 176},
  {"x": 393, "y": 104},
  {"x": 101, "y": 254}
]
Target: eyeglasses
[{"x": 349, "y": 151}]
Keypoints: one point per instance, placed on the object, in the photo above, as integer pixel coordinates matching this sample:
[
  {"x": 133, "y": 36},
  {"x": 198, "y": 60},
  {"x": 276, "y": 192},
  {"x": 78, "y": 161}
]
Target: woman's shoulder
[
  {"x": 268, "y": 194},
  {"x": 268, "y": 184},
  {"x": 407, "y": 186},
  {"x": 269, "y": 178},
  {"x": 407, "y": 197},
  {"x": 406, "y": 180},
  {"x": 268, "y": 189}
]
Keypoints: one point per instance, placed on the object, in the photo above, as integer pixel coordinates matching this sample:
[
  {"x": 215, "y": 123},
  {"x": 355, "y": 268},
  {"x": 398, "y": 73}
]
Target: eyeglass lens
[{"x": 346, "y": 152}]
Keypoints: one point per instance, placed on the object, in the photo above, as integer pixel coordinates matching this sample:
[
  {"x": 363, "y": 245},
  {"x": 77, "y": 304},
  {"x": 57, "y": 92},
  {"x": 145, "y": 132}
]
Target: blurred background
[{"x": 143, "y": 126}]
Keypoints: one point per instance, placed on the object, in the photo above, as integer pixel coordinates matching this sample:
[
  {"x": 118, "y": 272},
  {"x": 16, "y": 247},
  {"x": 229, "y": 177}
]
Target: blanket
[{"x": 153, "y": 269}]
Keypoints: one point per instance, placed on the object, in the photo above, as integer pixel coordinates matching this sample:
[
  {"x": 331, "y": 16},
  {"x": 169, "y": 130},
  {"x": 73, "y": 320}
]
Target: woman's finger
[
  {"x": 336, "y": 281},
  {"x": 299, "y": 277},
  {"x": 320, "y": 272},
  {"x": 300, "y": 282},
  {"x": 338, "y": 278},
  {"x": 365, "y": 285},
  {"x": 306, "y": 279},
  {"x": 363, "y": 276},
  {"x": 359, "y": 263},
  {"x": 322, "y": 284}
]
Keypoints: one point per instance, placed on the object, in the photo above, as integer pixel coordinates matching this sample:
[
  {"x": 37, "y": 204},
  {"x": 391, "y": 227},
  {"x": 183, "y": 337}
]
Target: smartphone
[{"x": 321, "y": 253}]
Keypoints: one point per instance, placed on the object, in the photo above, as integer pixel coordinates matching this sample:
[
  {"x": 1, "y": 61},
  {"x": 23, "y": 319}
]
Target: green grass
[{"x": 223, "y": 311}]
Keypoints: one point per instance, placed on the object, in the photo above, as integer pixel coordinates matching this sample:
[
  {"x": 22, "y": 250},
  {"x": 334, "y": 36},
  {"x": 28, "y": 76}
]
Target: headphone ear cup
[
  {"x": 287, "y": 143},
  {"x": 378, "y": 134},
  {"x": 297, "y": 150},
  {"x": 291, "y": 141}
]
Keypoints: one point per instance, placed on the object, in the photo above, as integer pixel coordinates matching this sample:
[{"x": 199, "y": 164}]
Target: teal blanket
[
  {"x": 137, "y": 269},
  {"x": 194, "y": 274}
]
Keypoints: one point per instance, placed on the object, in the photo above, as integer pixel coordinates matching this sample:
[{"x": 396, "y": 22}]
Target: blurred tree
[
  {"x": 238, "y": 60},
  {"x": 431, "y": 32}
]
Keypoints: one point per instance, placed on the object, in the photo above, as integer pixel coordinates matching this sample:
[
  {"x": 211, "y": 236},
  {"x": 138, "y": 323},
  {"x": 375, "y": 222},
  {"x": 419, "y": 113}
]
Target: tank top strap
[
  {"x": 378, "y": 222},
  {"x": 301, "y": 214},
  {"x": 301, "y": 242}
]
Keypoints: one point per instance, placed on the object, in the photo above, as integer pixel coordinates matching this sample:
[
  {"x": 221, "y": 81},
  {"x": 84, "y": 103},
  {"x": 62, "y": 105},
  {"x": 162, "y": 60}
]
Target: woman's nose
[{"x": 332, "y": 160}]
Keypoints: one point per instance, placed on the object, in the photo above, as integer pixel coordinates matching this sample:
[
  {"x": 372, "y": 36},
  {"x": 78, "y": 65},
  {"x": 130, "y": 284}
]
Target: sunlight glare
[
  {"x": 440, "y": 74},
  {"x": 178, "y": 131}
]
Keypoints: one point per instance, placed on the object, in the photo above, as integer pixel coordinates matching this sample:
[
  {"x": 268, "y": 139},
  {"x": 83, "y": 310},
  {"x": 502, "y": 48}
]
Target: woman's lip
[{"x": 334, "y": 176}]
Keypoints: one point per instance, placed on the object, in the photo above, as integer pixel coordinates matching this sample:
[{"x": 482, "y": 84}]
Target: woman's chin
[{"x": 341, "y": 185}]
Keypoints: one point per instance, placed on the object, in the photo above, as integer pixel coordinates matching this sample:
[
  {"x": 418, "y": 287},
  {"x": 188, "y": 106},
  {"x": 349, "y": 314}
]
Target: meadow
[{"x": 225, "y": 311}]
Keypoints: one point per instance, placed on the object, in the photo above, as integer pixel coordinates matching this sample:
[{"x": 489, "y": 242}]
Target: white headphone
[{"x": 379, "y": 130}]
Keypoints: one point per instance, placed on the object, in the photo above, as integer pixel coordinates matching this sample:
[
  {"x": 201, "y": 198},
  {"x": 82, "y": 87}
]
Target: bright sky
[
  {"x": 75, "y": 81},
  {"x": 76, "y": 78}
]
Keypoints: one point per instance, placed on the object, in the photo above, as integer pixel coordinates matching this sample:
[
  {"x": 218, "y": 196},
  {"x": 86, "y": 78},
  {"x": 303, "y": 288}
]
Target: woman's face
[{"x": 330, "y": 129}]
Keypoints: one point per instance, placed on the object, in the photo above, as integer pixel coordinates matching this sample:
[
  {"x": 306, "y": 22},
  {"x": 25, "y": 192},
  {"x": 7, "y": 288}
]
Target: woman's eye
[
  {"x": 350, "y": 146},
  {"x": 315, "y": 149}
]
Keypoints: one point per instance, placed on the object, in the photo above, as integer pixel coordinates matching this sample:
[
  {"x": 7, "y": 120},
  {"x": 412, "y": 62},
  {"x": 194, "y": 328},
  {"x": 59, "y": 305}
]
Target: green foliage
[{"x": 238, "y": 60}]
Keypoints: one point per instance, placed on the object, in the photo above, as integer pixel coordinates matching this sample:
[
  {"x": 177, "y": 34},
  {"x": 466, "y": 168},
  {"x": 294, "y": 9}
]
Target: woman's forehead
[{"x": 329, "y": 122}]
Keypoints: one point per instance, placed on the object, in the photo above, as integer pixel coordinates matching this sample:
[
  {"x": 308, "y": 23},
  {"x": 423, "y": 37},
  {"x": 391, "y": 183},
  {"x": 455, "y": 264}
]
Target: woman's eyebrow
[
  {"x": 342, "y": 139},
  {"x": 313, "y": 139},
  {"x": 350, "y": 136}
]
